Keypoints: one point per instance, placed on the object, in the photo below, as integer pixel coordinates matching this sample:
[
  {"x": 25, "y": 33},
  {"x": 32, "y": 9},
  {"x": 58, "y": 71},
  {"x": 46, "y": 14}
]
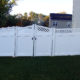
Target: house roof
[{"x": 55, "y": 16}]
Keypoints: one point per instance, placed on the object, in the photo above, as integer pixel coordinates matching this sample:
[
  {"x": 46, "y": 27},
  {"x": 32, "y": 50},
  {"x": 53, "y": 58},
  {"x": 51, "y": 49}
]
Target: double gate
[{"x": 33, "y": 40}]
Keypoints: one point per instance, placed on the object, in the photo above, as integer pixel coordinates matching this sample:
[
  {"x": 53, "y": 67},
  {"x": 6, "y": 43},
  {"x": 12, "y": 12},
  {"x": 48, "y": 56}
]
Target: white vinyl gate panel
[
  {"x": 24, "y": 44},
  {"x": 43, "y": 48},
  {"x": 43, "y": 41},
  {"x": 6, "y": 42}
]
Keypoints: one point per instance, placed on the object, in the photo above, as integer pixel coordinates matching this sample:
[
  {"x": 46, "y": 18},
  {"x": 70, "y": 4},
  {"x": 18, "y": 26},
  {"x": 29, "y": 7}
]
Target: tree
[
  {"x": 33, "y": 16},
  {"x": 41, "y": 19},
  {"x": 25, "y": 20},
  {"x": 46, "y": 21},
  {"x": 5, "y": 8},
  {"x": 62, "y": 12},
  {"x": 25, "y": 16},
  {"x": 11, "y": 20},
  {"x": 19, "y": 18}
]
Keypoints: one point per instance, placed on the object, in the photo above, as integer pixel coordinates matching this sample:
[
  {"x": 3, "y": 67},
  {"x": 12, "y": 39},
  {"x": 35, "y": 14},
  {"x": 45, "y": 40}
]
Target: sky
[{"x": 43, "y": 6}]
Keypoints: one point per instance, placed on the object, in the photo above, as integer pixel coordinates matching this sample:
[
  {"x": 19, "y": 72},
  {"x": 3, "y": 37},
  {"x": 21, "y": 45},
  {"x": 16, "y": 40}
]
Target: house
[{"x": 60, "y": 20}]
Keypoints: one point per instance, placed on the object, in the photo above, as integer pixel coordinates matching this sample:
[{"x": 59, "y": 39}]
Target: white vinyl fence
[
  {"x": 24, "y": 42},
  {"x": 37, "y": 40},
  {"x": 67, "y": 42},
  {"x": 7, "y": 42}
]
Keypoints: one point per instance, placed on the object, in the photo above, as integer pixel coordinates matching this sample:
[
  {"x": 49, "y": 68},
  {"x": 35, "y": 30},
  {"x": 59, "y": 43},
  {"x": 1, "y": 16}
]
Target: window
[
  {"x": 68, "y": 24},
  {"x": 55, "y": 23}
]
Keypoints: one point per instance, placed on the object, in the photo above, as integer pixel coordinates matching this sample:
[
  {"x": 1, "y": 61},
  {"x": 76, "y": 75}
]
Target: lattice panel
[
  {"x": 64, "y": 31},
  {"x": 42, "y": 29}
]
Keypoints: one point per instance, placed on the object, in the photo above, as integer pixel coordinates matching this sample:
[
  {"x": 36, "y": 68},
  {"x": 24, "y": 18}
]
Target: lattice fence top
[
  {"x": 43, "y": 29},
  {"x": 63, "y": 31},
  {"x": 68, "y": 30},
  {"x": 37, "y": 29}
]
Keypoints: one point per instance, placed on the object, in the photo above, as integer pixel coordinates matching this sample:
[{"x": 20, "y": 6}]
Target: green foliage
[
  {"x": 6, "y": 5},
  {"x": 33, "y": 16},
  {"x": 62, "y": 12},
  {"x": 26, "y": 22},
  {"x": 11, "y": 20},
  {"x": 25, "y": 16},
  {"x": 5, "y": 8},
  {"x": 46, "y": 21},
  {"x": 40, "y": 19},
  {"x": 19, "y": 20},
  {"x": 3, "y": 20},
  {"x": 23, "y": 20}
]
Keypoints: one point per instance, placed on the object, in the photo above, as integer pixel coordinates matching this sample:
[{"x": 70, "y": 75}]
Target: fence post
[
  {"x": 34, "y": 41},
  {"x": 15, "y": 42},
  {"x": 53, "y": 41}
]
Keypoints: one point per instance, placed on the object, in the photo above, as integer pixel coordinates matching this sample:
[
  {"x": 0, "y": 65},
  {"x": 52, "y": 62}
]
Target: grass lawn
[{"x": 40, "y": 68}]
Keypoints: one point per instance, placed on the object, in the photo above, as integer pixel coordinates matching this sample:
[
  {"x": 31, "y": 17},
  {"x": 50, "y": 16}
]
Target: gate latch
[{"x": 34, "y": 38}]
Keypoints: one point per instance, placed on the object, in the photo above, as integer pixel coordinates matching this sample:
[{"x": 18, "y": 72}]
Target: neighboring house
[{"x": 60, "y": 20}]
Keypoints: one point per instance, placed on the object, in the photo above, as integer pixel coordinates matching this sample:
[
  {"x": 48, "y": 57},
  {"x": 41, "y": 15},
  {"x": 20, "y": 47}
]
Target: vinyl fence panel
[
  {"x": 7, "y": 42},
  {"x": 24, "y": 42},
  {"x": 67, "y": 43},
  {"x": 43, "y": 41}
]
